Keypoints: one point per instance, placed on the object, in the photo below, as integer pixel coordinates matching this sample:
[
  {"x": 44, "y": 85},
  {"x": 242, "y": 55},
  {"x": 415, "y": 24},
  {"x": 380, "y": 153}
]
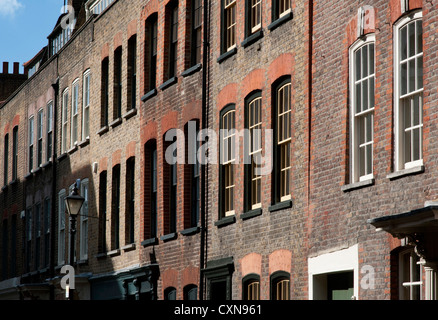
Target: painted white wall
[{"x": 341, "y": 260}]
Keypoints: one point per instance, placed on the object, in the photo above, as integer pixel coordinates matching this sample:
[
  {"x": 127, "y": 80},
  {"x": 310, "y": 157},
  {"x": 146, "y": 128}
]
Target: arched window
[{"x": 280, "y": 286}]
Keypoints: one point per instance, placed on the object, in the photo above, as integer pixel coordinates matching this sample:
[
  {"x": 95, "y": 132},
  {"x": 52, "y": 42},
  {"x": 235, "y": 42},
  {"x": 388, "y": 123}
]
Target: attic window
[{"x": 96, "y": 6}]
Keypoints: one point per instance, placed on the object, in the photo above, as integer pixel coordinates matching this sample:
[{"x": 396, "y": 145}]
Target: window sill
[
  {"x": 37, "y": 170},
  {"x": 405, "y": 172},
  {"x": 103, "y": 130},
  {"x": 149, "y": 95},
  {"x": 62, "y": 156},
  {"x": 113, "y": 253},
  {"x": 226, "y": 55},
  {"x": 47, "y": 164},
  {"x": 84, "y": 143},
  {"x": 128, "y": 247},
  {"x": 149, "y": 242},
  {"x": 251, "y": 214},
  {"x": 357, "y": 185},
  {"x": 73, "y": 149},
  {"x": 4, "y": 187},
  {"x": 13, "y": 182},
  {"x": 225, "y": 221},
  {"x": 252, "y": 38},
  {"x": 28, "y": 176},
  {"x": 130, "y": 114},
  {"x": 101, "y": 255},
  {"x": 275, "y": 24},
  {"x": 192, "y": 70},
  {"x": 168, "y": 83},
  {"x": 281, "y": 205},
  {"x": 168, "y": 237},
  {"x": 115, "y": 122},
  {"x": 190, "y": 231},
  {"x": 83, "y": 262}
]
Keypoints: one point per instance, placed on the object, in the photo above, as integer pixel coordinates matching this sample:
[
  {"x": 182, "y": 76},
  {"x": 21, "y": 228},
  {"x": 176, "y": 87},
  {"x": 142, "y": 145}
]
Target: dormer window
[
  {"x": 96, "y": 6},
  {"x": 60, "y": 35}
]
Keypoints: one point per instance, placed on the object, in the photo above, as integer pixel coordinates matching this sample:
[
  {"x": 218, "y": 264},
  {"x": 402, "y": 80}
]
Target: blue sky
[{"x": 24, "y": 27}]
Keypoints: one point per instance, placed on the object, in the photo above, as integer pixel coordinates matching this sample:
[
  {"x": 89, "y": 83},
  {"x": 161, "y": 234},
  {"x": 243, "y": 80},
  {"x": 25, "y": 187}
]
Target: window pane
[
  {"x": 419, "y": 72},
  {"x": 371, "y": 57},
  {"x": 416, "y": 110},
  {"x": 369, "y": 159},
  {"x": 419, "y": 36},
  {"x": 407, "y": 146},
  {"x": 416, "y": 144},
  {"x": 404, "y": 77},
  {"x": 358, "y": 98},
  {"x": 364, "y": 61},
  {"x": 411, "y": 70},
  {"x": 403, "y": 43},
  {"x": 411, "y": 39},
  {"x": 362, "y": 160},
  {"x": 365, "y": 95},
  {"x": 371, "y": 92}
]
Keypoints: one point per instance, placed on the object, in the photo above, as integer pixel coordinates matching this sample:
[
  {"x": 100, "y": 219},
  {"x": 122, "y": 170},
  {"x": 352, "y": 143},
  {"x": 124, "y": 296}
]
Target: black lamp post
[{"x": 73, "y": 203}]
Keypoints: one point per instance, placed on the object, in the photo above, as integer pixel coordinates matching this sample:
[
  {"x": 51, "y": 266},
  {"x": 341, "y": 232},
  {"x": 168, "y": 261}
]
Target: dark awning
[{"x": 424, "y": 220}]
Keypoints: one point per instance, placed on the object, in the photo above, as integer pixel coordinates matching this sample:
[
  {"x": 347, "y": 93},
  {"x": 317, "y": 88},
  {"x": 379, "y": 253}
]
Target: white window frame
[
  {"x": 255, "y": 123},
  {"x": 409, "y": 284},
  {"x": 31, "y": 142},
  {"x": 284, "y": 142},
  {"x": 74, "y": 114},
  {"x": 40, "y": 130},
  {"x": 228, "y": 160},
  {"x": 230, "y": 5},
  {"x": 49, "y": 129},
  {"x": 286, "y": 11},
  {"x": 255, "y": 5},
  {"x": 61, "y": 226},
  {"x": 64, "y": 119},
  {"x": 400, "y": 164},
  {"x": 354, "y": 141},
  {"x": 336, "y": 261},
  {"x": 83, "y": 245},
  {"x": 86, "y": 105}
]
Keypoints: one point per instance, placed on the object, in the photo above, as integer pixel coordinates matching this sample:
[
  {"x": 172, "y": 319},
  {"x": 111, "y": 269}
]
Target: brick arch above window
[
  {"x": 169, "y": 278},
  {"x": 16, "y": 121},
  {"x": 283, "y": 65},
  {"x": 103, "y": 165},
  {"x": 169, "y": 121},
  {"x": 6, "y": 130},
  {"x": 362, "y": 23},
  {"x": 149, "y": 132},
  {"x": 132, "y": 28},
  {"x": 251, "y": 264},
  {"x": 192, "y": 110},
  {"x": 116, "y": 157},
  {"x": 190, "y": 276},
  {"x": 104, "y": 53},
  {"x": 228, "y": 95},
  {"x": 280, "y": 260},
  {"x": 130, "y": 149},
  {"x": 150, "y": 8},
  {"x": 255, "y": 80},
  {"x": 396, "y": 7}
]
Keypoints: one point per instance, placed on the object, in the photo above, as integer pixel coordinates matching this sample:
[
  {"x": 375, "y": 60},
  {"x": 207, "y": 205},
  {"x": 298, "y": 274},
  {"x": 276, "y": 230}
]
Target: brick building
[
  {"x": 259, "y": 81},
  {"x": 337, "y": 103}
]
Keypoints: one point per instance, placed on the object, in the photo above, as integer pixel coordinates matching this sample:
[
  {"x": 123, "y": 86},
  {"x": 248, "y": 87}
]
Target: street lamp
[{"x": 73, "y": 203}]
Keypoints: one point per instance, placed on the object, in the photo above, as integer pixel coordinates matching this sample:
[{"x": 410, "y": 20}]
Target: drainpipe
[
  {"x": 55, "y": 87},
  {"x": 205, "y": 60}
]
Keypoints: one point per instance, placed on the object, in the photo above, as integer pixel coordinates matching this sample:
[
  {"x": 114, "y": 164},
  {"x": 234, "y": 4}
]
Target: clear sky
[{"x": 24, "y": 27}]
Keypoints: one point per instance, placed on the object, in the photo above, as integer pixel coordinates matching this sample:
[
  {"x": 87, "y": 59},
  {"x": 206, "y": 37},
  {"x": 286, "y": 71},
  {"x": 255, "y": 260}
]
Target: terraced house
[{"x": 314, "y": 176}]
